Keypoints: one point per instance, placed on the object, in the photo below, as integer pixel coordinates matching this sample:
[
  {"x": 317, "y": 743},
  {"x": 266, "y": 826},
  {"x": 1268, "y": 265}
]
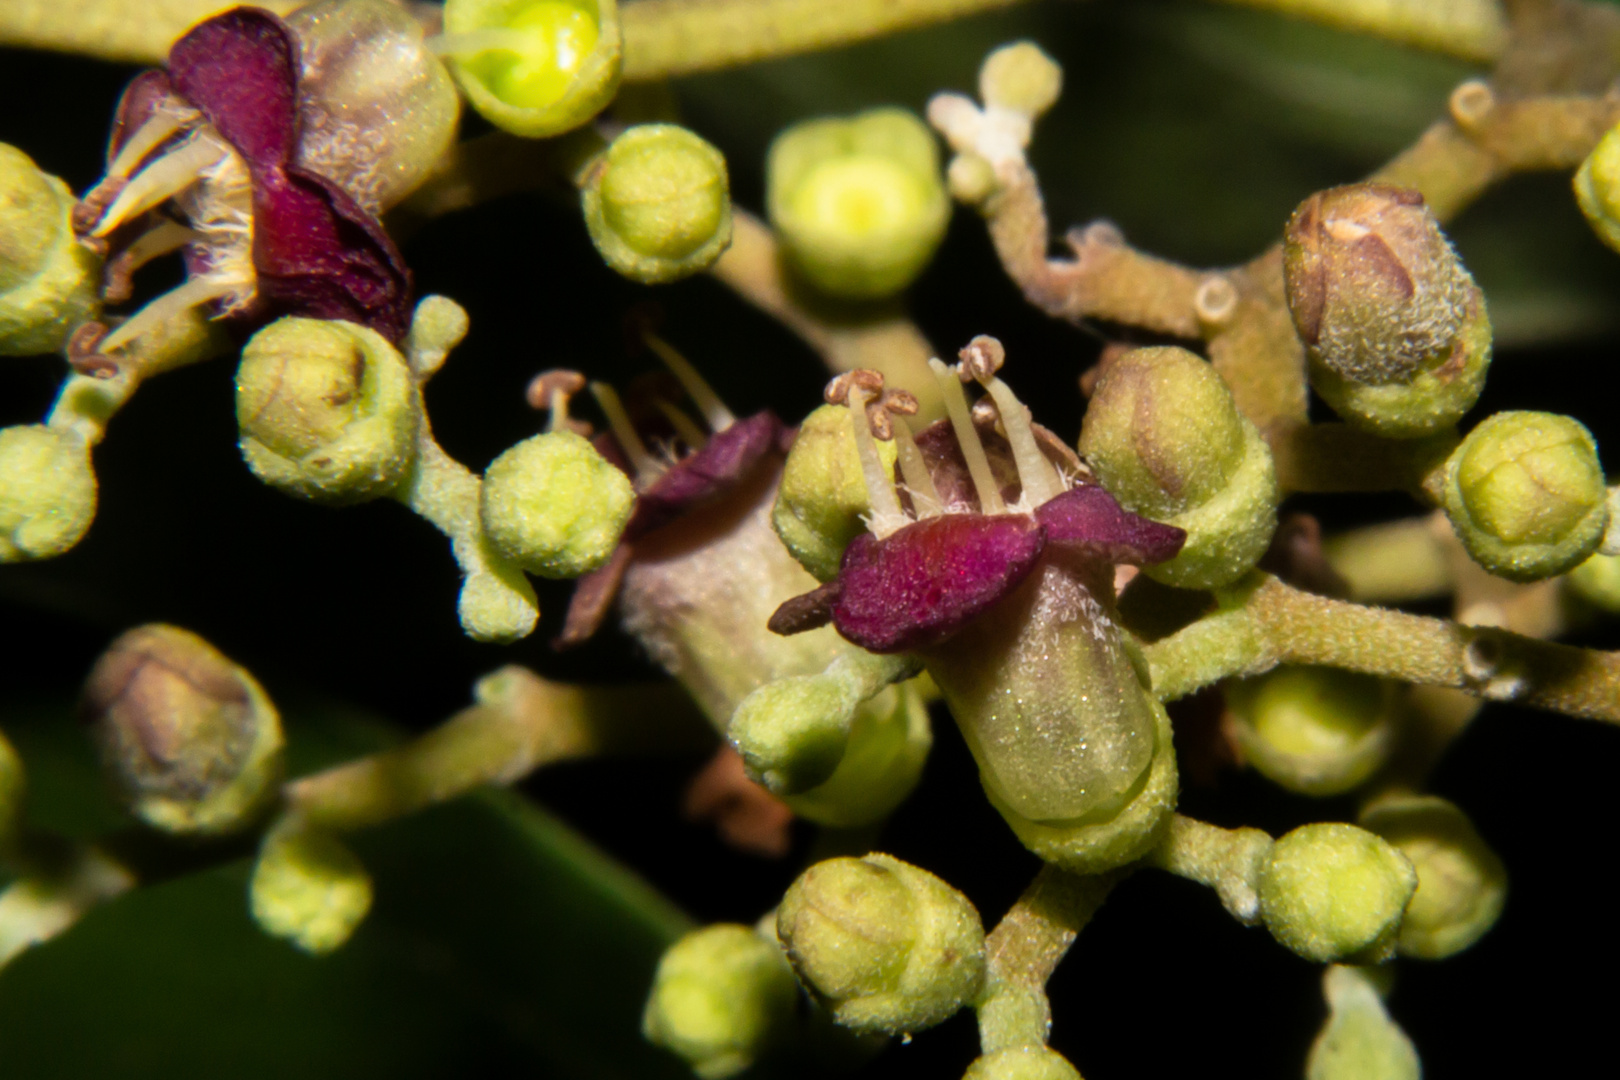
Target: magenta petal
[
  {"x": 727, "y": 458},
  {"x": 920, "y": 585},
  {"x": 240, "y": 70},
  {"x": 1087, "y": 520}
]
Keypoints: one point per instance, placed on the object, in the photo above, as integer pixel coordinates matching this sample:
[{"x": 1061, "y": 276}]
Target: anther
[
  {"x": 837, "y": 392},
  {"x": 551, "y": 391},
  {"x": 981, "y": 359}
]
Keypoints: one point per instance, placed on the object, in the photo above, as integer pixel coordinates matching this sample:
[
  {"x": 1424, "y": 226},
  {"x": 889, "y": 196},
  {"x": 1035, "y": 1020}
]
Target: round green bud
[
  {"x": 823, "y": 496},
  {"x": 1165, "y": 437},
  {"x": 1334, "y": 892},
  {"x": 327, "y": 410},
  {"x": 1462, "y": 884},
  {"x": 308, "y": 889},
  {"x": 536, "y": 68},
  {"x": 49, "y": 282},
  {"x": 885, "y": 946},
  {"x": 1525, "y": 494},
  {"x": 1597, "y": 581},
  {"x": 1314, "y": 730},
  {"x": 47, "y": 491},
  {"x": 658, "y": 203},
  {"x": 859, "y": 204},
  {"x": 1022, "y": 1063},
  {"x": 722, "y": 996},
  {"x": 555, "y": 506},
  {"x": 191, "y": 740},
  {"x": 888, "y": 744},
  {"x": 1395, "y": 329},
  {"x": 1359, "y": 1041},
  {"x": 1020, "y": 77},
  {"x": 1597, "y": 188}
]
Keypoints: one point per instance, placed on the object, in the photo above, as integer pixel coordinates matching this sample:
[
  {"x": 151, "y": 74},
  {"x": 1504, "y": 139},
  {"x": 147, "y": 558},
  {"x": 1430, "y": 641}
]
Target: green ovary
[{"x": 559, "y": 38}]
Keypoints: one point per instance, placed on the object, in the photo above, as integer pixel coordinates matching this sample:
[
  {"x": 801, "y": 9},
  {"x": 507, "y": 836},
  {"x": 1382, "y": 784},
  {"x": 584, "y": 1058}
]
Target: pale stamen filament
[
  {"x": 472, "y": 43},
  {"x": 164, "y": 122},
  {"x": 170, "y": 306},
  {"x": 648, "y": 468},
  {"x": 708, "y": 402},
  {"x": 156, "y": 242},
  {"x": 967, "y": 437},
  {"x": 684, "y": 425},
  {"x": 925, "y": 498},
  {"x": 161, "y": 181},
  {"x": 886, "y": 513},
  {"x": 1036, "y": 475}
]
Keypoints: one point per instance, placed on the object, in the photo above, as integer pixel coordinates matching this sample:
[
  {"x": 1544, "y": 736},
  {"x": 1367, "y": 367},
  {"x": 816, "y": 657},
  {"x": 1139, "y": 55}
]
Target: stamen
[
  {"x": 551, "y": 390},
  {"x": 647, "y": 467},
  {"x": 1040, "y": 482},
  {"x": 171, "y": 305},
  {"x": 967, "y": 437},
  {"x": 887, "y": 516},
  {"x": 159, "y": 182},
  {"x": 473, "y": 43},
  {"x": 925, "y": 498},
  {"x": 708, "y": 402},
  {"x": 164, "y": 122},
  {"x": 684, "y": 425}
]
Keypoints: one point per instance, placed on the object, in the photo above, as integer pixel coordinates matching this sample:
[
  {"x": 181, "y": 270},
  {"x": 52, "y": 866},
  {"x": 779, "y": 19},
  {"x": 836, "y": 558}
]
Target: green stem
[
  {"x": 1470, "y": 29},
  {"x": 134, "y": 33},
  {"x": 1226, "y": 860}
]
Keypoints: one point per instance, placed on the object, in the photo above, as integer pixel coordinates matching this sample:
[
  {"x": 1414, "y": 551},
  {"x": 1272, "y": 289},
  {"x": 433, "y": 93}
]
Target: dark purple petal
[
  {"x": 240, "y": 70},
  {"x": 593, "y": 598},
  {"x": 920, "y": 585},
  {"x": 807, "y": 611},
  {"x": 729, "y": 457},
  {"x": 1088, "y": 521}
]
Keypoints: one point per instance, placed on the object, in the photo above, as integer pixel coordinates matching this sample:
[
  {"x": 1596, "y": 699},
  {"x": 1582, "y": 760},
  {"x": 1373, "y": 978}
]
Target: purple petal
[
  {"x": 920, "y": 585},
  {"x": 240, "y": 70},
  {"x": 593, "y": 597},
  {"x": 727, "y": 458},
  {"x": 1087, "y": 520},
  {"x": 807, "y": 611}
]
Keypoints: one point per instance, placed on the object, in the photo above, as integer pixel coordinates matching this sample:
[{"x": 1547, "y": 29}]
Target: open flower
[
  {"x": 1000, "y": 579},
  {"x": 266, "y": 151}
]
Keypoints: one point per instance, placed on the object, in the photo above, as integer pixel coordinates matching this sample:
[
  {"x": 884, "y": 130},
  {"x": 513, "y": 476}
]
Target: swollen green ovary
[{"x": 1049, "y": 702}]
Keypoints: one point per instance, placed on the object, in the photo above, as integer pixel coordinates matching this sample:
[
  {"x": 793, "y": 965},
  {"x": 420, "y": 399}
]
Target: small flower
[
  {"x": 308, "y": 888},
  {"x": 1335, "y": 892},
  {"x": 1314, "y": 730},
  {"x": 47, "y": 491},
  {"x": 1462, "y": 883}
]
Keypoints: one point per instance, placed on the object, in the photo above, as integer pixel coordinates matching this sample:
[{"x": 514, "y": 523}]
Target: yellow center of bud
[{"x": 542, "y": 50}]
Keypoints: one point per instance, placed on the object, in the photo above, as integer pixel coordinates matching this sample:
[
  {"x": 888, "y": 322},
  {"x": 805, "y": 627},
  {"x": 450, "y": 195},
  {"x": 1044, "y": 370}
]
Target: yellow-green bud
[
  {"x": 859, "y": 204},
  {"x": 1334, "y": 892},
  {"x": 1020, "y": 77},
  {"x": 49, "y": 282},
  {"x": 555, "y": 506},
  {"x": 1394, "y": 327},
  {"x": 1022, "y": 1063},
  {"x": 1359, "y": 1041},
  {"x": 534, "y": 67},
  {"x": 1317, "y": 731},
  {"x": 823, "y": 494},
  {"x": 722, "y": 997},
  {"x": 1462, "y": 884},
  {"x": 13, "y": 787},
  {"x": 327, "y": 410},
  {"x": 658, "y": 203},
  {"x": 308, "y": 889},
  {"x": 885, "y": 946},
  {"x": 47, "y": 491},
  {"x": 192, "y": 741},
  {"x": 1597, "y": 581},
  {"x": 1597, "y": 188},
  {"x": 1525, "y": 494},
  {"x": 1165, "y": 437}
]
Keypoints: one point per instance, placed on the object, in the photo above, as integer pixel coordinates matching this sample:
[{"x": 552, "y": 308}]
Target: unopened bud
[
  {"x": 658, "y": 203},
  {"x": 722, "y": 996},
  {"x": 1597, "y": 581},
  {"x": 49, "y": 282},
  {"x": 1597, "y": 188},
  {"x": 1394, "y": 326},
  {"x": 859, "y": 204},
  {"x": 1462, "y": 884},
  {"x": 536, "y": 68},
  {"x": 308, "y": 889},
  {"x": 192, "y": 741},
  {"x": 1166, "y": 439},
  {"x": 1022, "y": 1063},
  {"x": 1317, "y": 731},
  {"x": 1359, "y": 1041},
  {"x": 1525, "y": 494},
  {"x": 1020, "y": 77},
  {"x": 1334, "y": 892},
  {"x": 555, "y": 506},
  {"x": 47, "y": 491},
  {"x": 885, "y": 946},
  {"x": 327, "y": 410},
  {"x": 823, "y": 495}
]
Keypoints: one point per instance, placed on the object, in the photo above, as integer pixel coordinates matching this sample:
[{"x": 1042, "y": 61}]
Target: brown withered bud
[{"x": 190, "y": 739}]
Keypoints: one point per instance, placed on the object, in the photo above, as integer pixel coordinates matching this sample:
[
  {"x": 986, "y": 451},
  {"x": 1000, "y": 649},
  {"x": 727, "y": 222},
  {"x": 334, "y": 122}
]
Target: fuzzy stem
[
  {"x": 1226, "y": 860},
  {"x": 1470, "y": 29},
  {"x": 137, "y": 33}
]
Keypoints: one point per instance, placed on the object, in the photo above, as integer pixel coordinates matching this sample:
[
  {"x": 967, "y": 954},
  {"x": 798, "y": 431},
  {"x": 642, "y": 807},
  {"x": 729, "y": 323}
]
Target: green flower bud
[
  {"x": 1022, "y": 1063},
  {"x": 885, "y": 946},
  {"x": 1165, "y": 437},
  {"x": 1020, "y": 77},
  {"x": 49, "y": 282},
  {"x": 1313, "y": 730},
  {"x": 327, "y": 410},
  {"x": 555, "y": 506},
  {"x": 823, "y": 496},
  {"x": 1394, "y": 327},
  {"x": 1359, "y": 1041},
  {"x": 658, "y": 203},
  {"x": 722, "y": 996},
  {"x": 1334, "y": 892},
  {"x": 1525, "y": 494},
  {"x": 1462, "y": 884},
  {"x": 1597, "y": 581},
  {"x": 859, "y": 204},
  {"x": 47, "y": 491},
  {"x": 308, "y": 889},
  {"x": 536, "y": 68},
  {"x": 192, "y": 741},
  {"x": 13, "y": 787},
  {"x": 1597, "y": 188}
]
